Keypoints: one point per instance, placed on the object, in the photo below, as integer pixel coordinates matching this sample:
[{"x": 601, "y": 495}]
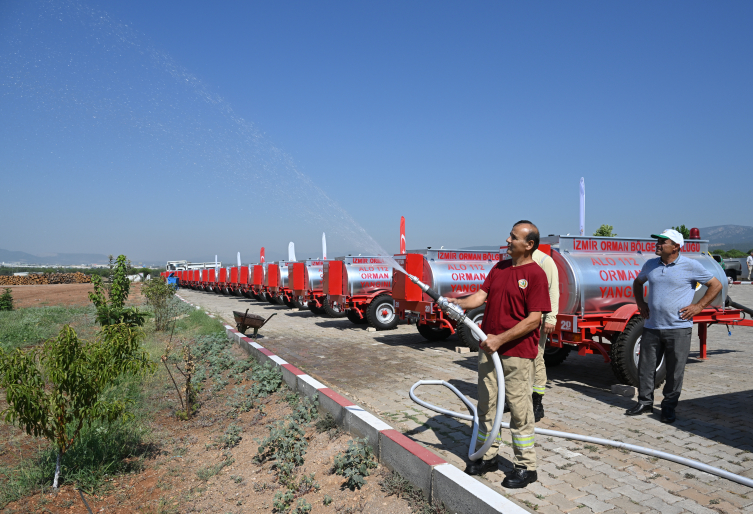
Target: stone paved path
[{"x": 715, "y": 414}]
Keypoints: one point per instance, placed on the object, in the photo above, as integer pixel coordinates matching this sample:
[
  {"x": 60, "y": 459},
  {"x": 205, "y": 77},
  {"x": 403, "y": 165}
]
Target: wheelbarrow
[{"x": 244, "y": 321}]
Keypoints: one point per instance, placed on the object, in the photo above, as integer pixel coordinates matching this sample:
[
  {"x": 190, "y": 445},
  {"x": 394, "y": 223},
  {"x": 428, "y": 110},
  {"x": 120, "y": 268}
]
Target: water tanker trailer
[
  {"x": 597, "y": 311},
  {"x": 305, "y": 282},
  {"x": 276, "y": 282},
  {"x": 361, "y": 287},
  {"x": 453, "y": 274},
  {"x": 258, "y": 281}
]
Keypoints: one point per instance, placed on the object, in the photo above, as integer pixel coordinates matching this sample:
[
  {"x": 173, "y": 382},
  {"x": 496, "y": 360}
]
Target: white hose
[{"x": 552, "y": 433}]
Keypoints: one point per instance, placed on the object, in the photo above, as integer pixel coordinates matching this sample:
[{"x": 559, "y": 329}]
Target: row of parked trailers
[{"x": 597, "y": 311}]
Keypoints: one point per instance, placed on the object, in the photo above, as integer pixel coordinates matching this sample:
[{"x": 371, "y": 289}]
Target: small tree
[
  {"x": 6, "y": 300},
  {"x": 682, "y": 229},
  {"x": 114, "y": 312},
  {"x": 605, "y": 231},
  {"x": 55, "y": 390},
  {"x": 159, "y": 294}
]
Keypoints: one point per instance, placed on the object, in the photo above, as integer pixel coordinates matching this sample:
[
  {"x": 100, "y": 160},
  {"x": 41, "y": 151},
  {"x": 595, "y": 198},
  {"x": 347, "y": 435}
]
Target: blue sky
[{"x": 187, "y": 129}]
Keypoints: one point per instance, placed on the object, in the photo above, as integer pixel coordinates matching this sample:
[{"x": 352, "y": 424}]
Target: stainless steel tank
[
  {"x": 366, "y": 274},
  {"x": 455, "y": 273},
  {"x": 596, "y": 273},
  {"x": 314, "y": 274}
]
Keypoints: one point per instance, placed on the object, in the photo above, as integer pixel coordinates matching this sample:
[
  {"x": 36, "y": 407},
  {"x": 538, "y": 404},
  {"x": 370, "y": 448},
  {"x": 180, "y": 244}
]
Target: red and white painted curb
[
  {"x": 738, "y": 282},
  {"x": 438, "y": 479}
]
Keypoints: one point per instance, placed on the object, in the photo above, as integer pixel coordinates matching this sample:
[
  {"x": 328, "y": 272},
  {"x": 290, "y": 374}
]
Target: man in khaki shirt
[{"x": 547, "y": 327}]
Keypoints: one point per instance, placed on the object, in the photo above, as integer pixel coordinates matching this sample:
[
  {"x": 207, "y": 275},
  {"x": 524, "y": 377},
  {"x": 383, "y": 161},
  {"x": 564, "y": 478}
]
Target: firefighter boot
[{"x": 538, "y": 408}]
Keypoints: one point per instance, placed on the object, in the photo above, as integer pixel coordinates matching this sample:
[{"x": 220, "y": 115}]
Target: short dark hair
[{"x": 533, "y": 235}]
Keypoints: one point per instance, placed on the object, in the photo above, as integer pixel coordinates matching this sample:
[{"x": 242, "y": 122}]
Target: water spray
[{"x": 457, "y": 314}]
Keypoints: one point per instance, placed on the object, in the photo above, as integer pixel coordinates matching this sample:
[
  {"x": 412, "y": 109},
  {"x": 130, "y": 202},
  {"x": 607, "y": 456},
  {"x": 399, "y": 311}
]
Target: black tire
[
  {"x": 381, "y": 313},
  {"x": 555, "y": 356},
  {"x": 354, "y": 317},
  {"x": 732, "y": 273},
  {"x": 271, "y": 299},
  {"x": 434, "y": 332},
  {"x": 334, "y": 312},
  {"x": 290, "y": 303},
  {"x": 319, "y": 311},
  {"x": 625, "y": 352},
  {"x": 300, "y": 304},
  {"x": 466, "y": 334}
]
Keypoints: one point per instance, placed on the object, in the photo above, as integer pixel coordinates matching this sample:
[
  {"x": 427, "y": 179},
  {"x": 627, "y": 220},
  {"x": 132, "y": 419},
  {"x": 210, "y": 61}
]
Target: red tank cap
[{"x": 695, "y": 234}]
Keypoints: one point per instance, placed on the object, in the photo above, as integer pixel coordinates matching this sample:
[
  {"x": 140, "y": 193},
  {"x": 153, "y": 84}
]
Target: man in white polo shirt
[
  {"x": 672, "y": 280},
  {"x": 749, "y": 262}
]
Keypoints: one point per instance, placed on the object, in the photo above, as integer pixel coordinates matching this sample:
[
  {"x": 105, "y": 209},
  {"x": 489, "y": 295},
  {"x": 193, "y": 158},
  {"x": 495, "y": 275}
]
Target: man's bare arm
[
  {"x": 638, "y": 295},
  {"x": 714, "y": 286},
  {"x": 524, "y": 326},
  {"x": 477, "y": 299}
]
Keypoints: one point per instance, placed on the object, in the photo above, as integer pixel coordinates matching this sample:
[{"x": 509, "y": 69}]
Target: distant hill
[
  {"x": 63, "y": 259},
  {"x": 727, "y": 237}
]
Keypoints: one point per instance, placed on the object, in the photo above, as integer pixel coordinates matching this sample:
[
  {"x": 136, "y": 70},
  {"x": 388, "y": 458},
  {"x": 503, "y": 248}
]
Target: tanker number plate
[{"x": 569, "y": 325}]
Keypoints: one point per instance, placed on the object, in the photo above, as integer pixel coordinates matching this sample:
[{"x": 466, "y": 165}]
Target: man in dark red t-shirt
[{"x": 516, "y": 294}]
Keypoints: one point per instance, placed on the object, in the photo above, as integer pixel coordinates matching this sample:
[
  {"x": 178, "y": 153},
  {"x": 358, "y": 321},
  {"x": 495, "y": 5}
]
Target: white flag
[
  {"x": 291, "y": 252},
  {"x": 582, "y": 206}
]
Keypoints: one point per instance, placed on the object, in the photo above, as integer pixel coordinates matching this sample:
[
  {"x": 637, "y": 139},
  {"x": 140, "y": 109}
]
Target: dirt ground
[
  {"x": 59, "y": 294},
  {"x": 180, "y": 451}
]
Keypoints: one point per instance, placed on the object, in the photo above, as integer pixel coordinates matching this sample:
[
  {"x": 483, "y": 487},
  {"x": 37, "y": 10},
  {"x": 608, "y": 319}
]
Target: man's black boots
[
  {"x": 519, "y": 478},
  {"x": 538, "y": 408}
]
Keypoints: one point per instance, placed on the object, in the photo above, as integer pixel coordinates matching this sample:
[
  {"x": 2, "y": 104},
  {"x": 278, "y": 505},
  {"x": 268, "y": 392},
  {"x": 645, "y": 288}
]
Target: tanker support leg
[{"x": 702, "y": 330}]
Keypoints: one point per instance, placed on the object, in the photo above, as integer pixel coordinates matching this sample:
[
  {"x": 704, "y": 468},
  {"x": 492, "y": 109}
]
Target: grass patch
[
  {"x": 34, "y": 325},
  {"x": 197, "y": 320}
]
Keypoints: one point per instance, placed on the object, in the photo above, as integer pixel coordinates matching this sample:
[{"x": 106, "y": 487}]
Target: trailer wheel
[
  {"x": 319, "y": 311},
  {"x": 381, "y": 313},
  {"x": 434, "y": 332},
  {"x": 354, "y": 317},
  {"x": 280, "y": 299},
  {"x": 335, "y": 312},
  {"x": 271, "y": 299},
  {"x": 555, "y": 356},
  {"x": 466, "y": 334},
  {"x": 626, "y": 351},
  {"x": 300, "y": 304}
]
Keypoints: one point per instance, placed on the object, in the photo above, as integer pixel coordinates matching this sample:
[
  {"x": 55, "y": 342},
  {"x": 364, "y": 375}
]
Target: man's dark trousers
[{"x": 675, "y": 345}]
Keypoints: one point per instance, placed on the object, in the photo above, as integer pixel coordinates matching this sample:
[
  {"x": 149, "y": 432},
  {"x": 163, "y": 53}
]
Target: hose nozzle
[{"x": 452, "y": 310}]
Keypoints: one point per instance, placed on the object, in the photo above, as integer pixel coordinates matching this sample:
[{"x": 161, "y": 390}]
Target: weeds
[
  {"x": 354, "y": 464},
  {"x": 209, "y": 471},
  {"x": 394, "y": 484},
  {"x": 232, "y": 436}
]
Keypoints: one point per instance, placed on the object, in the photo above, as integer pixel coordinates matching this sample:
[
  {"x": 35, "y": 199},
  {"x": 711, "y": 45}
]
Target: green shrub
[
  {"x": 159, "y": 295},
  {"x": 354, "y": 464},
  {"x": 111, "y": 309},
  {"x": 6, "y": 300}
]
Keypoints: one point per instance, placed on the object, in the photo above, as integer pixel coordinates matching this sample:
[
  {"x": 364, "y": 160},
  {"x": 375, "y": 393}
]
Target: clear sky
[{"x": 185, "y": 129}]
